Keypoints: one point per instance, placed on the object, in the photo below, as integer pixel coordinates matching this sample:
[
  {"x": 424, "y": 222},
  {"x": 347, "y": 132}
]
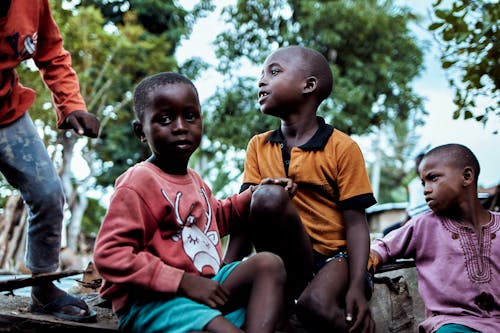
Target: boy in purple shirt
[{"x": 457, "y": 255}]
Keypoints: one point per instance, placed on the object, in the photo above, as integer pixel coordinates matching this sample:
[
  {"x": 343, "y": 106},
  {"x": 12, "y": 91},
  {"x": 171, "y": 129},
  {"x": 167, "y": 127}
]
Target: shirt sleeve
[
  {"x": 355, "y": 190},
  {"x": 232, "y": 210},
  {"x": 398, "y": 244},
  {"x": 118, "y": 251},
  {"x": 251, "y": 172},
  {"x": 54, "y": 63}
]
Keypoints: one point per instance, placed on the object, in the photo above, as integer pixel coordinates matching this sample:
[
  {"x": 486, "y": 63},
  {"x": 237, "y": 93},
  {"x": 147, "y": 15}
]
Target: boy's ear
[
  {"x": 468, "y": 175},
  {"x": 310, "y": 85},
  {"x": 139, "y": 133}
]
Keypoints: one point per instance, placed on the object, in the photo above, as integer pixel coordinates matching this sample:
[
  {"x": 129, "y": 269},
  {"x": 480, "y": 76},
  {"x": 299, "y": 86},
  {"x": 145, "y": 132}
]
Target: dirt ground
[{"x": 15, "y": 317}]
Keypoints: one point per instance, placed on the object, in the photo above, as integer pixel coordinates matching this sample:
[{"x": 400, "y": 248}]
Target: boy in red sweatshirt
[{"x": 159, "y": 248}]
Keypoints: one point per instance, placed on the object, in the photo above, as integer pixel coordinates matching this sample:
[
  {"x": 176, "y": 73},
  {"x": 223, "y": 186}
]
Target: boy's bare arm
[{"x": 358, "y": 248}]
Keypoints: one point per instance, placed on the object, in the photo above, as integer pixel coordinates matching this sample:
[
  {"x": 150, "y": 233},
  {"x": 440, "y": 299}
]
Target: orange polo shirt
[{"x": 330, "y": 173}]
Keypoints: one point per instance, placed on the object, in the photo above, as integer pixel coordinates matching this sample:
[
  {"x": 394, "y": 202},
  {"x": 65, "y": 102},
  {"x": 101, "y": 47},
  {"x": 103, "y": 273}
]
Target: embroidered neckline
[{"x": 476, "y": 248}]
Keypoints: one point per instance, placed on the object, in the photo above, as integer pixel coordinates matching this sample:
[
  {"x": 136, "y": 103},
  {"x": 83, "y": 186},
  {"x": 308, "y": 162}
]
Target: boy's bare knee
[
  {"x": 270, "y": 263},
  {"x": 269, "y": 198},
  {"x": 313, "y": 311}
]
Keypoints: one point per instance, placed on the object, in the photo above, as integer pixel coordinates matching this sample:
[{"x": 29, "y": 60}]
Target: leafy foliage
[
  {"x": 110, "y": 59},
  {"x": 372, "y": 53},
  {"x": 92, "y": 220},
  {"x": 469, "y": 35}
]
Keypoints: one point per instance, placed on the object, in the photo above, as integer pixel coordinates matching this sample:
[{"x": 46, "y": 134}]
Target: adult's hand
[{"x": 83, "y": 123}]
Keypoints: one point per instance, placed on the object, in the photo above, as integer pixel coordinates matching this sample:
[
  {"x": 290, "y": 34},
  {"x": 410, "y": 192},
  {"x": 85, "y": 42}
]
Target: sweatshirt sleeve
[
  {"x": 119, "y": 251},
  {"x": 232, "y": 210},
  {"x": 54, "y": 63}
]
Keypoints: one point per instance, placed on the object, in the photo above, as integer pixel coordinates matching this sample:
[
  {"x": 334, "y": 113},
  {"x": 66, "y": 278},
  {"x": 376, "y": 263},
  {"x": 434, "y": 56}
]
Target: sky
[{"x": 432, "y": 84}]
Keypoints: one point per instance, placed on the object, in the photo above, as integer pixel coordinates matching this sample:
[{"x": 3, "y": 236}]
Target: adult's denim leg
[{"x": 26, "y": 165}]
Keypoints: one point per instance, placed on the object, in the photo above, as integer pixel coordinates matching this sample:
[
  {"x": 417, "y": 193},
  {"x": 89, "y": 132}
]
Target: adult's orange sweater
[{"x": 28, "y": 30}]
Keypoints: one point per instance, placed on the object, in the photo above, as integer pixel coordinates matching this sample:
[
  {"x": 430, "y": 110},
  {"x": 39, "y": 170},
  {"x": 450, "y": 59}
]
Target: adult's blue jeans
[{"x": 26, "y": 165}]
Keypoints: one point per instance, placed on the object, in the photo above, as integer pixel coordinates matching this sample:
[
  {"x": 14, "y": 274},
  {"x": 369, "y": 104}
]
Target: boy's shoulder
[
  {"x": 137, "y": 173},
  {"x": 144, "y": 173}
]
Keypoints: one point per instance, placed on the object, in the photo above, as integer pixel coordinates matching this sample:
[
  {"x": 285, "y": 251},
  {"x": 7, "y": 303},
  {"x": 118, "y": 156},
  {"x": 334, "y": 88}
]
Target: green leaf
[
  {"x": 435, "y": 25},
  {"x": 448, "y": 64},
  {"x": 437, "y": 3},
  {"x": 442, "y": 14}
]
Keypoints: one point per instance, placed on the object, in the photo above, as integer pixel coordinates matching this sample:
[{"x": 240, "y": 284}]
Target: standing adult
[{"x": 28, "y": 31}]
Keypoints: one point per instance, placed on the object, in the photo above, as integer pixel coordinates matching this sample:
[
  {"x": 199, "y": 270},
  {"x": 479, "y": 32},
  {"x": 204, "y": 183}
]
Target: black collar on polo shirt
[{"x": 317, "y": 142}]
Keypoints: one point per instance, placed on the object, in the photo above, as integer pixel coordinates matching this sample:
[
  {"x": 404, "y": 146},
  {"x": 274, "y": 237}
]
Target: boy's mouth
[
  {"x": 262, "y": 95},
  {"x": 430, "y": 202},
  {"x": 183, "y": 143}
]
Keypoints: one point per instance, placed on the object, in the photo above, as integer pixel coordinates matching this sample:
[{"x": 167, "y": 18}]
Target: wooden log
[{"x": 34, "y": 280}]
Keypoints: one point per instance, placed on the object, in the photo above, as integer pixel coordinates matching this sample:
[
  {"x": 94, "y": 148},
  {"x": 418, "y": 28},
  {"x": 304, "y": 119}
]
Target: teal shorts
[
  {"x": 456, "y": 328},
  {"x": 177, "y": 315}
]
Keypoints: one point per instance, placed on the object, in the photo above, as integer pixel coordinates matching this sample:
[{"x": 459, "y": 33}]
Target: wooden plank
[
  {"x": 16, "y": 283},
  {"x": 399, "y": 264}
]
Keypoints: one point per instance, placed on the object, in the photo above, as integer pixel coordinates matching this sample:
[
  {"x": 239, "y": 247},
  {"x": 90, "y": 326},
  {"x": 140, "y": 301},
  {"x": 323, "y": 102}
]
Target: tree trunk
[
  {"x": 12, "y": 233},
  {"x": 77, "y": 210},
  {"x": 67, "y": 140}
]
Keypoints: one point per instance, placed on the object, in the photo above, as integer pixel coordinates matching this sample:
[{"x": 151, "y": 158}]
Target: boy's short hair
[
  {"x": 150, "y": 83},
  {"x": 318, "y": 66},
  {"x": 459, "y": 155}
]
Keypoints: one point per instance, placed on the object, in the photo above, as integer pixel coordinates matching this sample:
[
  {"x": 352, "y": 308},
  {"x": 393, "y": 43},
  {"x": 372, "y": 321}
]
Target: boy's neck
[
  {"x": 169, "y": 167},
  {"x": 299, "y": 128},
  {"x": 474, "y": 215}
]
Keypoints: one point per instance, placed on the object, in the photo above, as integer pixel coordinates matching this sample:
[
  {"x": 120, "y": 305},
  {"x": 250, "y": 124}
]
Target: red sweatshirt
[
  {"x": 159, "y": 226},
  {"x": 29, "y": 31}
]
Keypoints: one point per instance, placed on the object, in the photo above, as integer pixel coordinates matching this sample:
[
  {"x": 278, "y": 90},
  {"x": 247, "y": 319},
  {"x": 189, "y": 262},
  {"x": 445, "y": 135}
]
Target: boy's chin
[{"x": 269, "y": 112}]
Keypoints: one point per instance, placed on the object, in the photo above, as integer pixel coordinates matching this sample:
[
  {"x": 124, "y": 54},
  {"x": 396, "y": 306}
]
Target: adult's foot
[{"x": 48, "y": 299}]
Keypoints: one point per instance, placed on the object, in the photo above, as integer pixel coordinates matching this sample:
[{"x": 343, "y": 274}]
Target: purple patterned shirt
[{"x": 458, "y": 271}]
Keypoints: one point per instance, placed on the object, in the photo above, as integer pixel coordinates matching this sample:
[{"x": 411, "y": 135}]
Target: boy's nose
[
  {"x": 261, "y": 81},
  {"x": 180, "y": 123},
  {"x": 426, "y": 189}
]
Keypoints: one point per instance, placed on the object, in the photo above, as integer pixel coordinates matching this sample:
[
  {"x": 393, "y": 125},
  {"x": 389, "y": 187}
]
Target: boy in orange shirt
[{"x": 324, "y": 238}]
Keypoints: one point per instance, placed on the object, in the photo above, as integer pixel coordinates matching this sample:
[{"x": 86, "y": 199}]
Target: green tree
[
  {"x": 110, "y": 60},
  {"x": 396, "y": 164},
  {"x": 469, "y": 34},
  {"x": 372, "y": 53}
]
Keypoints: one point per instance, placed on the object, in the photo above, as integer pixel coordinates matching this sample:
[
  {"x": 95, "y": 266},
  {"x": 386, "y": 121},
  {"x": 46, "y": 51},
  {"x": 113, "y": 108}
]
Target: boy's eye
[
  {"x": 165, "y": 119},
  {"x": 274, "y": 71},
  {"x": 190, "y": 116}
]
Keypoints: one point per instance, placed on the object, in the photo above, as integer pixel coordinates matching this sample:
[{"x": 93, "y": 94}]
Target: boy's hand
[
  {"x": 358, "y": 316},
  {"x": 286, "y": 183},
  {"x": 373, "y": 261},
  {"x": 203, "y": 290},
  {"x": 83, "y": 123}
]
